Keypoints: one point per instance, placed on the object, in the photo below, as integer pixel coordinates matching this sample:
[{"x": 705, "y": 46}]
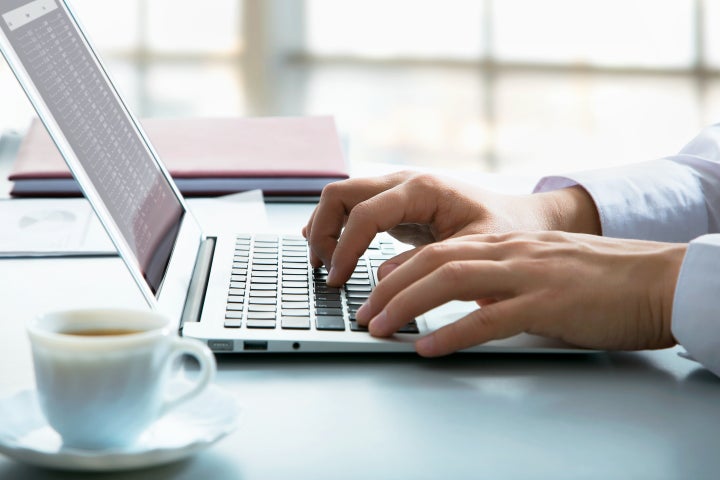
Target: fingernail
[
  {"x": 377, "y": 324},
  {"x": 331, "y": 275},
  {"x": 363, "y": 311}
]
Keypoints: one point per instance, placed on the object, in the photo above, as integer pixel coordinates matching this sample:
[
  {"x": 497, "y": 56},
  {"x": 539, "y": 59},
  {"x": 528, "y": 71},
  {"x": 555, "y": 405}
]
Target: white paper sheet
[{"x": 69, "y": 227}]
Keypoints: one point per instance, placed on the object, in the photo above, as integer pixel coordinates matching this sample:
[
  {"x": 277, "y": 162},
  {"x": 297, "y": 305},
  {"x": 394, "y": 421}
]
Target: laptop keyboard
[{"x": 272, "y": 285}]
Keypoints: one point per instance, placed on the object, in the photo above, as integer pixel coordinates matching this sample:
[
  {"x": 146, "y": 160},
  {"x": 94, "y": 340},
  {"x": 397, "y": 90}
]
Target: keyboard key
[
  {"x": 287, "y": 285},
  {"x": 265, "y": 255},
  {"x": 262, "y": 301},
  {"x": 335, "y": 297},
  {"x": 266, "y": 238},
  {"x": 292, "y": 312},
  {"x": 295, "y": 290},
  {"x": 263, "y": 293},
  {"x": 261, "y": 315},
  {"x": 322, "y": 288},
  {"x": 300, "y": 305},
  {"x": 328, "y": 304},
  {"x": 264, "y": 261},
  {"x": 261, "y": 273},
  {"x": 294, "y": 271},
  {"x": 232, "y": 323},
  {"x": 235, "y": 298},
  {"x": 266, "y": 250},
  {"x": 264, "y": 268},
  {"x": 295, "y": 265},
  {"x": 357, "y": 328},
  {"x": 296, "y": 323},
  {"x": 357, "y": 288},
  {"x": 234, "y": 306},
  {"x": 233, "y": 314},
  {"x": 358, "y": 281},
  {"x": 239, "y": 271},
  {"x": 357, "y": 297},
  {"x": 260, "y": 323},
  {"x": 263, "y": 286},
  {"x": 328, "y": 322},
  {"x": 295, "y": 298},
  {"x": 261, "y": 308},
  {"x": 238, "y": 278},
  {"x": 295, "y": 278},
  {"x": 409, "y": 328},
  {"x": 237, "y": 285},
  {"x": 294, "y": 253},
  {"x": 267, "y": 280},
  {"x": 329, "y": 311}
]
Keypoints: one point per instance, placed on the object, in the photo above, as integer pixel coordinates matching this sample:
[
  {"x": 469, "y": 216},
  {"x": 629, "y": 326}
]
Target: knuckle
[
  {"x": 453, "y": 272},
  {"x": 435, "y": 251},
  {"x": 362, "y": 211},
  {"x": 332, "y": 190},
  {"x": 401, "y": 176},
  {"x": 424, "y": 181}
]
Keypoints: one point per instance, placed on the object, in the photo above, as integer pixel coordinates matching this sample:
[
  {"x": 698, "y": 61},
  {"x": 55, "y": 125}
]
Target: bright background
[{"x": 521, "y": 86}]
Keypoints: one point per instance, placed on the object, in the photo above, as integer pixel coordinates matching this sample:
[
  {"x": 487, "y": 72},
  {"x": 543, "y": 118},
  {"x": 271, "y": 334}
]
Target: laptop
[{"x": 249, "y": 293}]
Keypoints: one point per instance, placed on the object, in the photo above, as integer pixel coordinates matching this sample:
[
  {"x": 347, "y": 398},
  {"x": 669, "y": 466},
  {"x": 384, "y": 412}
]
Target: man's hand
[
  {"x": 421, "y": 209},
  {"x": 586, "y": 290}
]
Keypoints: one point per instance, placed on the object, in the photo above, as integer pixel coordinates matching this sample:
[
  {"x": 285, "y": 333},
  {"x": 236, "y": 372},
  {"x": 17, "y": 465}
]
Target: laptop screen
[{"x": 102, "y": 135}]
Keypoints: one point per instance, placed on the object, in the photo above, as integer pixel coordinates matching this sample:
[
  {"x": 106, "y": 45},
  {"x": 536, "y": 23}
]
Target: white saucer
[{"x": 26, "y": 436}]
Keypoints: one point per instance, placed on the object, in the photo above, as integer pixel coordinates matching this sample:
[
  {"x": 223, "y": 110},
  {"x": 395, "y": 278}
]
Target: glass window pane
[
  {"x": 16, "y": 110},
  {"x": 110, "y": 25},
  {"x": 637, "y": 33},
  {"x": 711, "y": 104},
  {"x": 561, "y": 122},
  {"x": 711, "y": 18},
  {"x": 189, "y": 26},
  {"x": 381, "y": 28},
  {"x": 403, "y": 115},
  {"x": 189, "y": 89}
]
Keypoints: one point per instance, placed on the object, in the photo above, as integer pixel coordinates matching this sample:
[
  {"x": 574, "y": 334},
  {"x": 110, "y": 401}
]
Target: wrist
[{"x": 573, "y": 210}]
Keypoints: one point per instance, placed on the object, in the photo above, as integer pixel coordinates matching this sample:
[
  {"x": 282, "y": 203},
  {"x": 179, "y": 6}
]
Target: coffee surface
[{"x": 102, "y": 332}]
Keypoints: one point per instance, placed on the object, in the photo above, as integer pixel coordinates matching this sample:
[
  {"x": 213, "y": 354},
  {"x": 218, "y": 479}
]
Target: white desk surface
[{"x": 616, "y": 415}]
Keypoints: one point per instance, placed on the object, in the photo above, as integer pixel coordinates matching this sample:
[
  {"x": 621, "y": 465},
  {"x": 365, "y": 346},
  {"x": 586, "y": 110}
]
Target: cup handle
[{"x": 206, "y": 359}]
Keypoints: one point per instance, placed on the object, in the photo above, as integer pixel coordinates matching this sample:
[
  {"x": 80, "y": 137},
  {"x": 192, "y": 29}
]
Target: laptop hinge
[{"x": 198, "y": 283}]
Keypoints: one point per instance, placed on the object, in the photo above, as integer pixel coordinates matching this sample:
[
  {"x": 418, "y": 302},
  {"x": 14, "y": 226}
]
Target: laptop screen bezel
[{"x": 173, "y": 289}]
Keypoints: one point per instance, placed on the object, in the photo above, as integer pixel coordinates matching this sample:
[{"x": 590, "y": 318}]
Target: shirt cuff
[
  {"x": 660, "y": 200},
  {"x": 696, "y": 305}
]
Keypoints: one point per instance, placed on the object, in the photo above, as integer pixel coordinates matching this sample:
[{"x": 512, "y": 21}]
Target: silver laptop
[{"x": 249, "y": 293}]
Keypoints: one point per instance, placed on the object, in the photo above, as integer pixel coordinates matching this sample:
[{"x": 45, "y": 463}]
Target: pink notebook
[{"x": 208, "y": 156}]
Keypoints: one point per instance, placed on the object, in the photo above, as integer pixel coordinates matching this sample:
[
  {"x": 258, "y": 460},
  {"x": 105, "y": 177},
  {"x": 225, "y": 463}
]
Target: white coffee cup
[{"x": 102, "y": 375}]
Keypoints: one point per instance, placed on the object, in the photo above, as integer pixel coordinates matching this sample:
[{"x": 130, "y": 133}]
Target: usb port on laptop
[{"x": 255, "y": 345}]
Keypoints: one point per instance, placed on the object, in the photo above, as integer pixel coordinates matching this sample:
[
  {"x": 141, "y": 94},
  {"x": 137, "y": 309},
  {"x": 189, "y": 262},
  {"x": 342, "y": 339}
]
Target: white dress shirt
[{"x": 674, "y": 199}]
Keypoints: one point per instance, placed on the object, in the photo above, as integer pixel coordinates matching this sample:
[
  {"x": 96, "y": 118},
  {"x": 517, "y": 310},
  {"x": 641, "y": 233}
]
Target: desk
[{"x": 617, "y": 415}]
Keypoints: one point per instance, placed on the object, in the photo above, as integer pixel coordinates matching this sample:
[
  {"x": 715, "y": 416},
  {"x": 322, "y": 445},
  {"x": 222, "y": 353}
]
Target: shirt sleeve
[
  {"x": 696, "y": 306},
  {"x": 674, "y": 199}
]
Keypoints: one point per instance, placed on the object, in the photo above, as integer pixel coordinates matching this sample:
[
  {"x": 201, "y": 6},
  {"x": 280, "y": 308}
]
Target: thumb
[{"x": 492, "y": 322}]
